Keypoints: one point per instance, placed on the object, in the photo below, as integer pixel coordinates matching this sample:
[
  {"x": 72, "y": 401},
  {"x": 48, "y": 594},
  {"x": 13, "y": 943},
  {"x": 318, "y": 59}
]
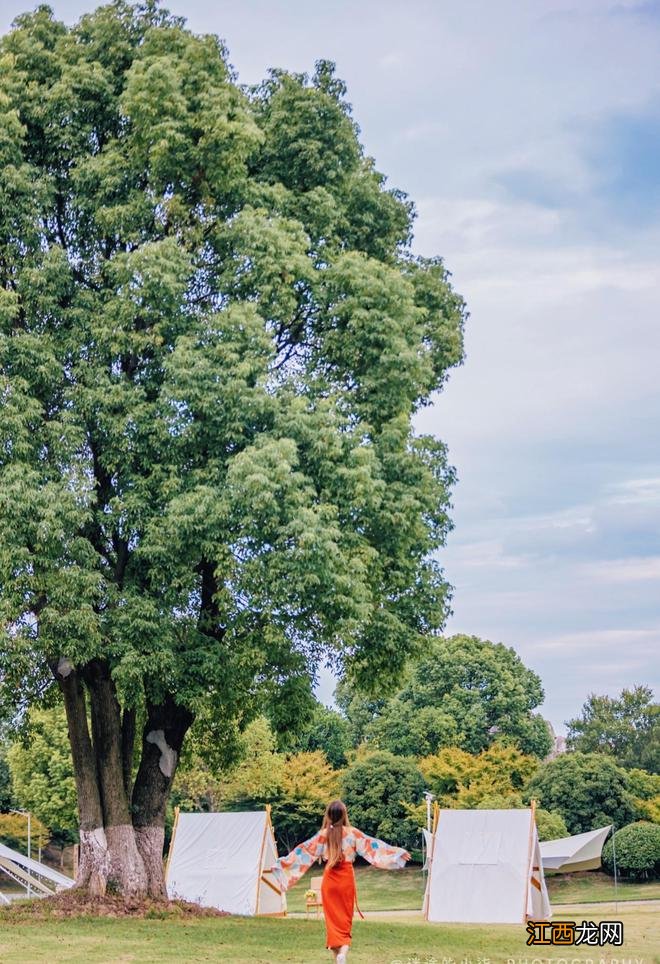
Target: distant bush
[
  {"x": 550, "y": 825},
  {"x": 589, "y": 790},
  {"x": 637, "y": 851},
  {"x": 379, "y": 789},
  {"x": 14, "y": 832}
]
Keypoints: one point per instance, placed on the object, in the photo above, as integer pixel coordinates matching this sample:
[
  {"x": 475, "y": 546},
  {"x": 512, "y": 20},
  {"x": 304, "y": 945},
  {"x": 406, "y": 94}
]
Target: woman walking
[{"x": 337, "y": 843}]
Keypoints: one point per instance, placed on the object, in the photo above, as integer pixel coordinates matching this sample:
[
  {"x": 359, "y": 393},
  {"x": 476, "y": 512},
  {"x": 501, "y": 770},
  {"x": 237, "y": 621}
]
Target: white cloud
[
  {"x": 632, "y": 569},
  {"x": 645, "y": 640},
  {"x": 486, "y": 553},
  {"x": 636, "y": 492}
]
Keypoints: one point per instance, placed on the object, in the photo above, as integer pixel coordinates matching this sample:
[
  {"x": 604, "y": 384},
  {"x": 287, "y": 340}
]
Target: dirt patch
[{"x": 78, "y": 903}]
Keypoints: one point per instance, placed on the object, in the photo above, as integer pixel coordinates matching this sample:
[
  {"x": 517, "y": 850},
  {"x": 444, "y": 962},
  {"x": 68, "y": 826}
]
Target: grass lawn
[
  {"x": 404, "y": 889},
  {"x": 377, "y": 889},
  {"x": 264, "y": 941},
  {"x": 594, "y": 886}
]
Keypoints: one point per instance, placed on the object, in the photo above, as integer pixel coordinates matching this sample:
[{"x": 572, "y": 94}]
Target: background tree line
[{"x": 463, "y": 725}]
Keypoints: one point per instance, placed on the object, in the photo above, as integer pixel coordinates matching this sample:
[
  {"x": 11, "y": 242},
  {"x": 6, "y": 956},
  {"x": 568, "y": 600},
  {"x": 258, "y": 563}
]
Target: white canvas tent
[
  {"x": 35, "y": 877},
  {"x": 222, "y": 860},
  {"x": 485, "y": 867},
  {"x": 580, "y": 852}
]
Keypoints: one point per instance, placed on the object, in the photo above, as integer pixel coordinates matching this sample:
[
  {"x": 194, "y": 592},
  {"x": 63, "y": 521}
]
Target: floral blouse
[{"x": 288, "y": 870}]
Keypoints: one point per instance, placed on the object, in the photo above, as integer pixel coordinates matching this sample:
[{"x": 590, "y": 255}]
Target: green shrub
[
  {"x": 637, "y": 851},
  {"x": 550, "y": 825},
  {"x": 589, "y": 790},
  {"x": 378, "y": 790},
  {"x": 14, "y": 832}
]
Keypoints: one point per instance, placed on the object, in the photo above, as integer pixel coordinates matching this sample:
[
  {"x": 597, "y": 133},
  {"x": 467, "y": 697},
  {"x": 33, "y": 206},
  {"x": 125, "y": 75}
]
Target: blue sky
[{"x": 528, "y": 134}]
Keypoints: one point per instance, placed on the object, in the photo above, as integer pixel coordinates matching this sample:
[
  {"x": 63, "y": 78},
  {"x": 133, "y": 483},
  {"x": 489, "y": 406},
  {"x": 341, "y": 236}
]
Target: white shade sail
[
  {"x": 581, "y": 852},
  {"x": 428, "y": 845}
]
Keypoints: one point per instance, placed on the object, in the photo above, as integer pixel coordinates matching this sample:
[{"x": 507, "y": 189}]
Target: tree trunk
[
  {"x": 121, "y": 841},
  {"x": 162, "y": 739},
  {"x": 93, "y": 863},
  {"x": 127, "y": 872},
  {"x": 127, "y": 748}
]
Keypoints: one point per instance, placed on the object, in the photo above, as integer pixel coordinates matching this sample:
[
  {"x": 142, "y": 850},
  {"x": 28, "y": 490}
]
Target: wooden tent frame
[
  {"x": 530, "y": 844},
  {"x": 268, "y": 828},
  {"x": 429, "y": 858}
]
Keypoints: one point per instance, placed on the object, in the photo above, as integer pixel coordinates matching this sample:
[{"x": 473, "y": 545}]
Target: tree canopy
[
  {"x": 380, "y": 791},
  {"x": 6, "y": 791},
  {"x": 587, "y": 789},
  {"x": 462, "y": 691},
  {"x": 297, "y": 786},
  {"x": 626, "y": 727},
  {"x": 461, "y": 779},
  {"x": 328, "y": 731},
  {"x": 213, "y": 340}
]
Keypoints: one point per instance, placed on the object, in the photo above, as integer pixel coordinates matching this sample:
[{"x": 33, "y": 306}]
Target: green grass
[
  {"x": 377, "y": 941},
  {"x": 263, "y": 941},
  {"x": 377, "y": 889},
  {"x": 595, "y": 886},
  {"x": 404, "y": 889}
]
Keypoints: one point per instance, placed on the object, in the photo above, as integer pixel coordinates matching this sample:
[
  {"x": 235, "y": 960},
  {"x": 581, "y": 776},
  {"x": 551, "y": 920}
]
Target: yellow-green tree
[
  {"x": 492, "y": 780},
  {"x": 14, "y": 832},
  {"x": 309, "y": 782},
  {"x": 260, "y": 774},
  {"x": 42, "y": 773},
  {"x": 645, "y": 788},
  {"x": 297, "y": 786},
  {"x": 461, "y": 779}
]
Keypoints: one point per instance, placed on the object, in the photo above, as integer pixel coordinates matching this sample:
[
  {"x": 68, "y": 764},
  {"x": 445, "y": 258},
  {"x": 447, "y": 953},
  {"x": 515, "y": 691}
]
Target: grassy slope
[
  {"x": 262, "y": 941},
  {"x": 594, "y": 886},
  {"x": 403, "y": 890}
]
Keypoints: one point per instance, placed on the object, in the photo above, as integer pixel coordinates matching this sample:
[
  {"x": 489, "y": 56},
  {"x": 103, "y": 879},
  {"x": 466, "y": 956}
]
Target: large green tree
[
  {"x": 626, "y": 727},
  {"x": 213, "y": 340},
  {"x": 587, "y": 789},
  {"x": 6, "y": 791},
  {"x": 462, "y": 691}
]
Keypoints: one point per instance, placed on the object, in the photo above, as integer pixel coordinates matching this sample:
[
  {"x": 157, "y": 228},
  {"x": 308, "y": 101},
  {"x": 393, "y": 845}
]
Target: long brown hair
[{"x": 334, "y": 821}]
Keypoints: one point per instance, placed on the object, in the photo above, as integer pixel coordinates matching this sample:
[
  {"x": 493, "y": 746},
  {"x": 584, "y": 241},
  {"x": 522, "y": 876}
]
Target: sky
[{"x": 528, "y": 136}]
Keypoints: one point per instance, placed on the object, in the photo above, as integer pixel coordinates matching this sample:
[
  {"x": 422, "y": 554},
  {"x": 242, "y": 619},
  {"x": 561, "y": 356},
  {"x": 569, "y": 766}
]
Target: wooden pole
[
  {"x": 427, "y": 897},
  {"x": 532, "y": 825},
  {"x": 261, "y": 858},
  {"x": 169, "y": 852},
  {"x": 616, "y": 875}
]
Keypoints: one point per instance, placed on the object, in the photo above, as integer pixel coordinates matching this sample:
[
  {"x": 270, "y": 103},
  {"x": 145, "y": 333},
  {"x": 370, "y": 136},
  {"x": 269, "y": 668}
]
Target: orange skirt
[{"x": 338, "y": 895}]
